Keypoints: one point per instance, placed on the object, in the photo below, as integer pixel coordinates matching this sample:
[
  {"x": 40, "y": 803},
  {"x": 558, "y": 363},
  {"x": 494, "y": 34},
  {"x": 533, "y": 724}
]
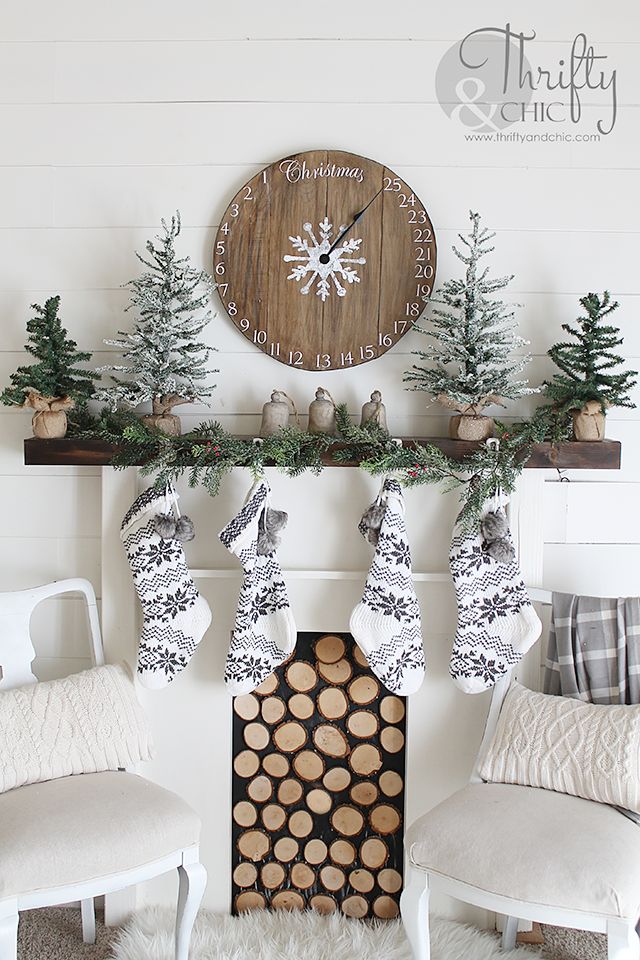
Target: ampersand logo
[{"x": 478, "y": 76}]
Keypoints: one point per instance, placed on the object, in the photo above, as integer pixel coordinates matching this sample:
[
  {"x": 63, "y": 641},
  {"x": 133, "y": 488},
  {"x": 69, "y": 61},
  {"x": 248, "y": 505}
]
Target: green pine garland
[{"x": 207, "y": 453}]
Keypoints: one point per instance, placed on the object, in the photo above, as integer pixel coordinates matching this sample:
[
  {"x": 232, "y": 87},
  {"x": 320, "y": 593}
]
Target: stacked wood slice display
[{"x": 318, "y": 786}]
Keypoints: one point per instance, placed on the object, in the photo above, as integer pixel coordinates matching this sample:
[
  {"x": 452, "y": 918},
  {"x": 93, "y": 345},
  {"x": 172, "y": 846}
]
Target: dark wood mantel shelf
[{"x": 577, "y": 455}]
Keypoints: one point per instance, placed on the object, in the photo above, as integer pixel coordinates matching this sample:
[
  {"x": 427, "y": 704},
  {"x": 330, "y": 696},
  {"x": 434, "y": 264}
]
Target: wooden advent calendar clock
[{"x": 323, "y": 260}]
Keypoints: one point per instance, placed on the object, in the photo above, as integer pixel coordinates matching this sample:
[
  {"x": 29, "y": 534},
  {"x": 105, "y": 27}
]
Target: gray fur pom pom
[
  {"x": 185, "y": 529},
  {"x": 371, "y": 521},
  {"x": 501, "y": 550},
  {"x": 495, "y": 530},
  {"x": 165, "y": 526},
  {"x": 494, "y": 526},
  {"x": 270, "y": 527}
]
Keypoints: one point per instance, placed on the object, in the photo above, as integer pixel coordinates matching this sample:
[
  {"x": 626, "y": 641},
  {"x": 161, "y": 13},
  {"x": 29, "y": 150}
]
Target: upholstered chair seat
[{"x": 73, "y": 830}]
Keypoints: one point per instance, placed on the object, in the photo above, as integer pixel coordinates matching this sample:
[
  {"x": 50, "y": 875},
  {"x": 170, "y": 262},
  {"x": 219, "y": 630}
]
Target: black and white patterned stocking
[
  {"x": 264, "y": 634},
  {"x": 386, "y": 623},
  {"x": 497, "y": 623},
  {"x": 176, "y": 617}
]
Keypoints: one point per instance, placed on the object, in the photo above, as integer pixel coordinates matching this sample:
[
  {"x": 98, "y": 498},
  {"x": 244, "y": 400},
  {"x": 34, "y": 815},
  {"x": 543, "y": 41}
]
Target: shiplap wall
[{"x": 114, "y": 115}]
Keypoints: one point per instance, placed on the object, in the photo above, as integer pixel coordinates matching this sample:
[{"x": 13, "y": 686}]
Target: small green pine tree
[
  {"x": 55, "y": 375},
  {"x": 162, "y": 358},
  {"x": 472, "y": 337},
  {"x": 587, "y": 363}
]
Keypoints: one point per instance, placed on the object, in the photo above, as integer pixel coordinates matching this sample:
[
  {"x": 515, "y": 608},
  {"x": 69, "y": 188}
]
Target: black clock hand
[{"x": 326, "y": 256}]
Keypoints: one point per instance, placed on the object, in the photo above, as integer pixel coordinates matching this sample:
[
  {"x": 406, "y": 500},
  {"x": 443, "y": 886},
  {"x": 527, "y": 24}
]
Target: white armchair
[
  {"x": 91, "y": 834},
  {"x": 529, "y": 854}
]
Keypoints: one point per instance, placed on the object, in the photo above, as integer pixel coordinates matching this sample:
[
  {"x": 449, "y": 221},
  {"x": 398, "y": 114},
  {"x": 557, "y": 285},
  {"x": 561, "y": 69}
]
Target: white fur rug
[{"x": 265, "y": 935}]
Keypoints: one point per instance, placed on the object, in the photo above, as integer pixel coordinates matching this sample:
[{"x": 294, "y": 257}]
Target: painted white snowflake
[{"x": 322, "y": 263}]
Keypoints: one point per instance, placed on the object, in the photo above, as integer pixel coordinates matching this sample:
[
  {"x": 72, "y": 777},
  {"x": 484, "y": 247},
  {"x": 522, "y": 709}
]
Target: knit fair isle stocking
[
  {"x": 264, "y": 633},
  {"x": 386, "y": 623},
  {"x": 176, "y": 617},
  {"x": 497, "y": 623}
]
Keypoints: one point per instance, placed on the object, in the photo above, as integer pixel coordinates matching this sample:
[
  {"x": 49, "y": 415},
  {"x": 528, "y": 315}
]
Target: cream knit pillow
[
  {"x": 86, "y": 723},
  {"x": 583, "y": 749}
]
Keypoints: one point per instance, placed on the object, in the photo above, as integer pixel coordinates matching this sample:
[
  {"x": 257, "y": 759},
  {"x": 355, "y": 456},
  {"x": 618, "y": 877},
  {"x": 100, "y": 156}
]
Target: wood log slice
[
  {"x": 301, "y": 676},
  {"x": 254, "y": 845},
  {"x": 245, "y": 875},
  {"x": 247, "y": 707},
  {"x": 364, "y": 794},
  {"x": 250, "y": 900},
  {"x": 364, "y": 690},
  {"x": 359, "y": 657},
  {"x": 302, "y": 876},
  {"x": 315, "y": 851},
  {"x": 362, "y": 880},
  {"x": 365, "y": 759},
  {"x": 332, "y": 878},
  {"x": 256, "y": 736},
  {"x": 385, "y": 908},
  {"x": 308, "y": 765},
  {"x": 273, "y": 709},
  {"x": 300, "y": 824},
  {"x": 301, "y": 706},
  {"x": 272, "y": 875},
  {"x": 290, "y": 736},
  {"x": 391, "y": 783},
  {"x": 332, "y": 703},
  {"x": 355, "y": 907},
  {"x": 347, "y": 821},
  {"x": 374, "y": 853},
  {"x": 392, "y": 709},
  {"x": 392, "y": 739},
  {"x": 323, "y": 903},
  {"x": 275, "y": 765},
  {"x": 245, "y": 814},
  {"x": 343, "y": 852},
  {"x": 338, "y": 673},
  {"x": 290, "y": 791},
  {"x": 260, "y": 789},
  {"x": 384, "y": 819},
  {"x": 273, "y": 817},
  {"x": 287, "y": 900},
  {"x": 330, "y": 740},
  {"x": 268, "y": 686},
  {"x": 286, "y": 849},
  {"x": 330, "y": 649},
  {"x": 336, "y": 779},
  {"x": 319, "y": 801},
  {"x": 389, "y": 880},
  {"x": 363, "y": 724},
  {"x": 246, "y": 763}
]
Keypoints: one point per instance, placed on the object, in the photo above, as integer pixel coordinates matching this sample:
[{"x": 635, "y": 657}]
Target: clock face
[{"x": 323, "y": 260}]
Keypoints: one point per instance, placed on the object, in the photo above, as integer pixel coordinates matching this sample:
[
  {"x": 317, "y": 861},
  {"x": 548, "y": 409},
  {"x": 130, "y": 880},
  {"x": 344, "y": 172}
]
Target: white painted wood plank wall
[{"x": 114, "y": 115}]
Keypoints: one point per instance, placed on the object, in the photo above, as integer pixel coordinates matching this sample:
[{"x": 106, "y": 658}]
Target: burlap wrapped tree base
[
  {"x": 589, "y": 422},
  {"x": 469, "y": 427},
  {"x": 162, "y": 419},
  {"x": 168, "y": 423},
  {"x": 469, "y": 423},
  {"x": 49, "y": 421}
]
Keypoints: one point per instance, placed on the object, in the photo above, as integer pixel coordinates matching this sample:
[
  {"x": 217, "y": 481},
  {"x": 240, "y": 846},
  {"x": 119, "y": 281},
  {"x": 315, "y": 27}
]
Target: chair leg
[
  {"x": 193, "y": 880},
  {"x": 88, "y": 912},
  {"x": 509, "y": 933},
  {"x": 414, "y": 908},
  {"x": 9, "y": 931},
  {"x": 622, "y": 940}
]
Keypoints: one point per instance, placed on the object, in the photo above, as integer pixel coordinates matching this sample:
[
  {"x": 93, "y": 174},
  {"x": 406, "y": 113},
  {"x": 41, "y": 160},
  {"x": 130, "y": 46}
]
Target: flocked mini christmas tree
[
  {"x": 472, "y": 342},
  {"x": 163, "y": 360},
  {"x": 587, "y": 384},
  {"x": 54, "y": 384}
]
